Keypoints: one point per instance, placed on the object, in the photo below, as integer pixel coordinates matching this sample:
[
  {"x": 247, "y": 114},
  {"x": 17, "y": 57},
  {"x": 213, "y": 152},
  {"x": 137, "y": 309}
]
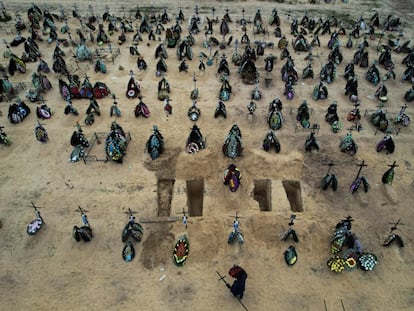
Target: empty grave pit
[
  {"x": 165, "y": 191},
  {"x": 262, "y": 193},
  {"x": 195, "y": 197},
  {"x": 294, "y": 194}
]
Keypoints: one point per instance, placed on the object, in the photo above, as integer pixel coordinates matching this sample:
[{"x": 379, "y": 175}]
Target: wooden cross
[
  {"x": 80, "y": 210},
  {"x": 292, "y": 219},
  {"x": 77, "y": 125},
  {"x": 393, "y": 165},
  {"x": 330, "y": 164},
  {"x": 130, "y": 212},
  {"x": 185, "y": 218},
  {"x": 360, "y": 168},
  {"x": 194, "y": 79},
  {"x": 395, "y": 225}
]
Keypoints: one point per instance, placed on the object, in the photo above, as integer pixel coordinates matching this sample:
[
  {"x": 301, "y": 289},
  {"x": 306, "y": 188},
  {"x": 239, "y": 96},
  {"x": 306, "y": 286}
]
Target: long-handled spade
[
  {"x": 388, "y": 176},
  {"x": 360, "y": 179},
  {"x": 392, "y": 236},
  {"x": 329, "y": 179},
  {"x": 221, "y": 278}
]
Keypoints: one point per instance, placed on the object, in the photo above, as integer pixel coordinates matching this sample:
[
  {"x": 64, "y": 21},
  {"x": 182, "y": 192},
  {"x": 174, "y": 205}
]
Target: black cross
[
  {"x": 330, "y": 164},
  {"x": 130, "y": 212},
  {"x": 393, "y": 165},
  {"x": 82, "y": 211},
  {"x": 292, "y": 219},
  {"x": 360, "y": 168},
  {"x": 395, "y": 225}
]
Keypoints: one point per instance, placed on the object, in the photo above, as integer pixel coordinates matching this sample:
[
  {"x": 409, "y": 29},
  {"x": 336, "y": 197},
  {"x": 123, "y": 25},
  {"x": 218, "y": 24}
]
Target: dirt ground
[{"x": 52, "y": 271}]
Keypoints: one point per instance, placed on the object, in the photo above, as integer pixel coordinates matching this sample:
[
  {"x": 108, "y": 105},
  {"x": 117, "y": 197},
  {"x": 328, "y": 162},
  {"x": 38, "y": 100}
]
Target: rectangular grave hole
[
  {"x": 164, "y": 193},
  {"x": 294, "y": 194},
  {"x": 195, "y": 197},
  {"x": 262, "y": 193}
]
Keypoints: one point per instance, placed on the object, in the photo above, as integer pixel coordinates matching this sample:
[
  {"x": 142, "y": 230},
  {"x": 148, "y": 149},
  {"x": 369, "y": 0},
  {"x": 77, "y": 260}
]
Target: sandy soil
[{"x": 51, "y": 271}]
